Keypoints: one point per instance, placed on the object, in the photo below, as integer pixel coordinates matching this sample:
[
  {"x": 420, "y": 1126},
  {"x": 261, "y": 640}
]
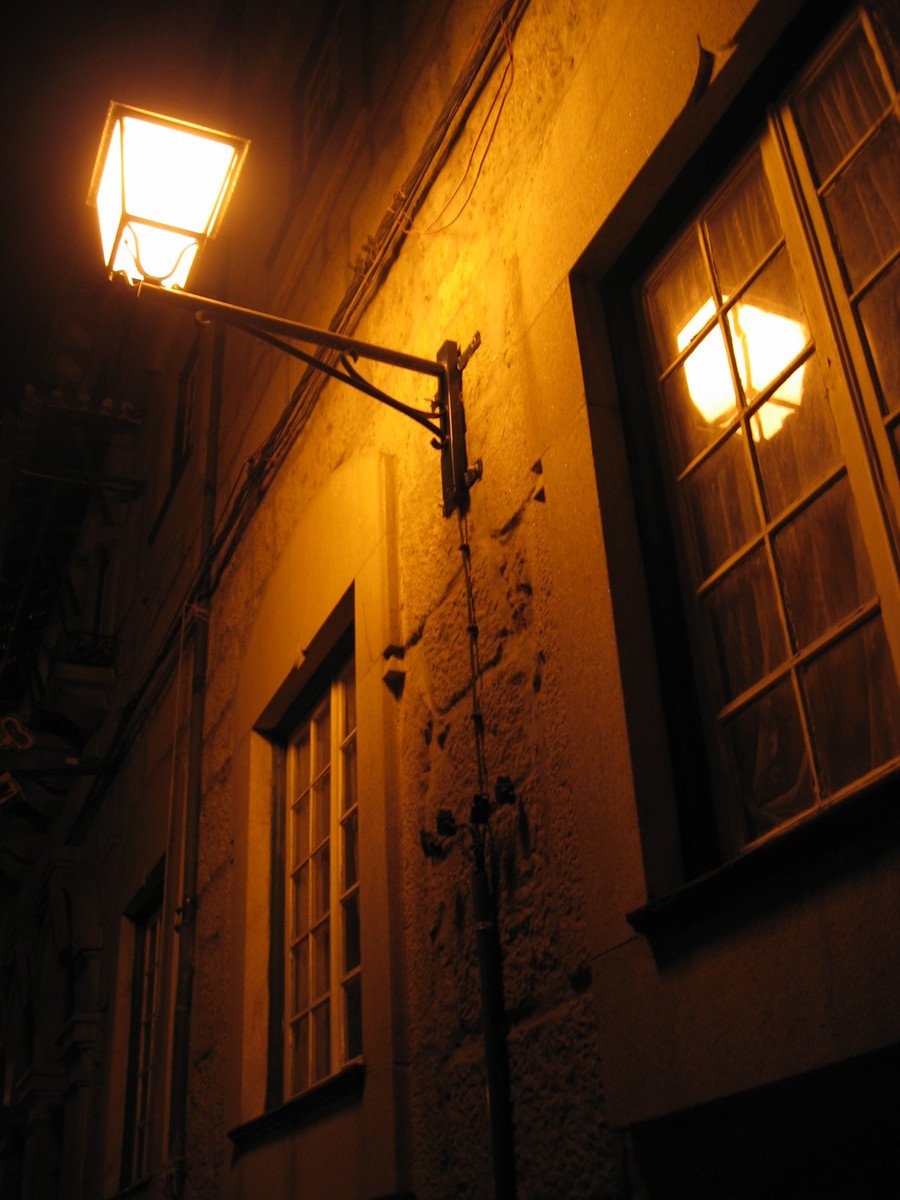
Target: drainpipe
[{"x": 181, "y": 1022}]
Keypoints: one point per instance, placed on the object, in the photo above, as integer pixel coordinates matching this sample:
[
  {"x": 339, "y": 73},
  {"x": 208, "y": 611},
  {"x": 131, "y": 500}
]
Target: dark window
[{"x": 140, "y": 1094}]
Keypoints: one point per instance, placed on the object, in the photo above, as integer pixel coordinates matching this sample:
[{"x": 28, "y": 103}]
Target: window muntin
[
  {"x": 324, "y": 972},
  {"x": 142, "y": 1057},
  {"x": 848, "y": 122},
  {"x": 774, "y": 477}
]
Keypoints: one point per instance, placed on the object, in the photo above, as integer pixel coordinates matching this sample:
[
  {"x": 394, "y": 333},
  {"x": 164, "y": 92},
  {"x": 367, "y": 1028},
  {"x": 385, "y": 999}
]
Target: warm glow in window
[{"x": 764, "y": 344}]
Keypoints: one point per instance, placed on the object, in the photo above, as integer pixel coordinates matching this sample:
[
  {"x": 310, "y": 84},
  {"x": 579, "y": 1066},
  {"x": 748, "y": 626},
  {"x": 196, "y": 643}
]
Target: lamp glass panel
[
  {"x": 173, "y": 176},
  {"x": 109, "y": 194},
  {"x": 145, "y": 252}
]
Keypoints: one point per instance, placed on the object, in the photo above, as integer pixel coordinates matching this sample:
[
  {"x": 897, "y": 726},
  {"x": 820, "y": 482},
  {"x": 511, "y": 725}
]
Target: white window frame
[
  {"x": 319, "y": 900},
  {"x": 861, "y": 428}
]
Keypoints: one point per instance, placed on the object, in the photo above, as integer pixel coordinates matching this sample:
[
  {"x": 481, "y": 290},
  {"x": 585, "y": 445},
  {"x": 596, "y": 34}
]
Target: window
[
  {"x": 142, "y": 1066},
  {"x": 323, "y": 1003},
  {"x": 321, "y": 87},
  {"x": 772, "y": 328},
  {"x": 329, "y": 91}
]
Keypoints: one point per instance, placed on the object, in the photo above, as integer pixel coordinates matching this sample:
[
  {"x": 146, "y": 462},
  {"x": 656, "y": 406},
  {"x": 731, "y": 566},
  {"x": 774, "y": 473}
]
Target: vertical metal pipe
[
  {"x": 181, "y": 1022},
  {"x": 493, "y": 1020}
]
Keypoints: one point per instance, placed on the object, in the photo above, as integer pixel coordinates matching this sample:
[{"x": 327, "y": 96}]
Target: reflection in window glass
[{"x": 788, "y": 623}]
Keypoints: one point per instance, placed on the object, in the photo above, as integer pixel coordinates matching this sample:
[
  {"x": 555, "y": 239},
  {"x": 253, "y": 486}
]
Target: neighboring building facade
[{"x": 670, "y": 617}]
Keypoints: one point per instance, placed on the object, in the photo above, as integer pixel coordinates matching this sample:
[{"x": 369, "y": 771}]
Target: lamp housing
[{"x": 160, "y": 187}]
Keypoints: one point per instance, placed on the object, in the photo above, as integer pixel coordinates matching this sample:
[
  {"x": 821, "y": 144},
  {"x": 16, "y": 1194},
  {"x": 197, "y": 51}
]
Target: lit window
[
  {"x": 773, "y": 324},
  {"x": 140, "y": 1092},
  {"x": 323, "y": 1006}
]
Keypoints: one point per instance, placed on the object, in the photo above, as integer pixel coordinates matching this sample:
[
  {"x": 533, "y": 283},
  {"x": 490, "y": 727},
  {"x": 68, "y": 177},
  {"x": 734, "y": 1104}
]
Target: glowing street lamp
[{"x": 160, "y": 187}]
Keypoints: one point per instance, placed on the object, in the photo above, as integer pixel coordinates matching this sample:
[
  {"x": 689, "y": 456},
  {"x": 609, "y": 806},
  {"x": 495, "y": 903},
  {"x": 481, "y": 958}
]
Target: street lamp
[{"x": 161, "y": 186}]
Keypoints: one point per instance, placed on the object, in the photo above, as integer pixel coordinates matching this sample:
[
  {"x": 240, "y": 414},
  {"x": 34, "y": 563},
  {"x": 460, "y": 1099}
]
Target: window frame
[
  {"x": 344, "y": 1044},
  {"x": 142, "y": 1071},
  {"x": 332, "y": 655},
  {"x": 679, "y": 677}
]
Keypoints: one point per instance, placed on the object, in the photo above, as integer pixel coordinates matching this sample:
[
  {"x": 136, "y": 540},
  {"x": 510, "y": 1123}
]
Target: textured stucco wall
[
  {"x": 601, "y": 113},
  {"x": 596, "y": 89}
]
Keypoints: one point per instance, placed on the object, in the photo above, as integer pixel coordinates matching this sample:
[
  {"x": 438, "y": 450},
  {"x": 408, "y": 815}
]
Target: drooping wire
[{"x": 501, "y": 94}]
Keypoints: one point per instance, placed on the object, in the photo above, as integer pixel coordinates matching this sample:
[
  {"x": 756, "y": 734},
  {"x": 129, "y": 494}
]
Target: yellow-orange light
[
  {"x": 160, "y": 187},
  {"x": 765, "y": 342}
]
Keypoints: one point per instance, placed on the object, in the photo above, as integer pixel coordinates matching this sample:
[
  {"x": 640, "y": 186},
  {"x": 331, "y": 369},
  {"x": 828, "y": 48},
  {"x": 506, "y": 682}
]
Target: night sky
[{"x": 62, "y": 63}]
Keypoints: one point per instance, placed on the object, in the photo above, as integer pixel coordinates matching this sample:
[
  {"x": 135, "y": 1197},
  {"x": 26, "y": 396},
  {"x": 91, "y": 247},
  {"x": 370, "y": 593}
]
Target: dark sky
[{"x": 62, "y": 63}]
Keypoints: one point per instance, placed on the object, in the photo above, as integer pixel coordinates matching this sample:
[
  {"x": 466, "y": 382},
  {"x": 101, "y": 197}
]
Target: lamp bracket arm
[
  {"x": 356, "y": 380},
  {"x": 346, "y": 375},
  {"x": 282, "y": 326},
  {"x": 449, "y": 427}
]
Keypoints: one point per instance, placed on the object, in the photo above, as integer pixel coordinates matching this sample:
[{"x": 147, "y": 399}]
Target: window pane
[
  {"x": 353, "y": 1017},
  {"x": 321, "y": 1041},
  {"x": 795, "y": 444},
  {"x": 675, "y": 296},
  {"x": 854, "y": 706},
  {"x": 322, "y": 733},
  {"x": 742, "y": 227},
  {"x": 699, "y": 397},
  {"x": 301, "y": 765},
  {"x": 862, "y": 206},
  {"x": 321, "y": 877},
  {"x": 824, "y": 566},
  {"x": 887, "y": 21},
  {"x": 769, "y": 752},
  {"x": 841, "y": 105},
  {"x": 351, "y": 932},
  {"x": 301, "y": 900},
  {"x": 300, "y": 1056},
  {"x": 300, "y": 974},
  {"x": 349, "y": 681},
  {"x": 720, "y": 504},
  {"x": 349, "y": 797},
  {"x": 746, "y": 632},
  {"x": 321, "y": 808},
  {"x": 768, "y": 329},
  {"x": 879, "y": 311},
  {"x": 351, "y": 836},
  {"x": 300, "y": 829},
  {"x": 321, "y": 959}
]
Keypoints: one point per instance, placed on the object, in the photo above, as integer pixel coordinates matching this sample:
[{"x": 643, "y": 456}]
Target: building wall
[{"x": 620, "y": 1045}]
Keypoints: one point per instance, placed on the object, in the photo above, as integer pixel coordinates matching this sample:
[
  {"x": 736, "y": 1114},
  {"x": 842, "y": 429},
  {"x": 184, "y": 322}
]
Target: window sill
[
  {"x": 343, "y": 1088},
  {"x": 784, "y": 865}
]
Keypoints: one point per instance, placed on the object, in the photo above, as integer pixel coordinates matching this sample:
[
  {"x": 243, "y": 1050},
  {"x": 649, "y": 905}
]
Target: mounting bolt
[
  {"x": 472, "y": 474},
  {"x": 468, "y": 352}
]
